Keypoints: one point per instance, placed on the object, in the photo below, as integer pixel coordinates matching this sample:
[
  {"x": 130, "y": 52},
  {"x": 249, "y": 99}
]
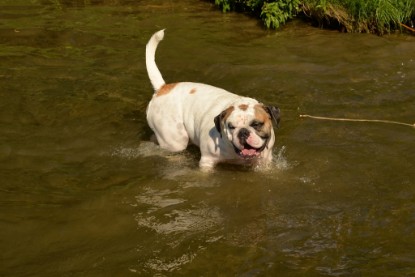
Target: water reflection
[{"x": 177, "y": 224}]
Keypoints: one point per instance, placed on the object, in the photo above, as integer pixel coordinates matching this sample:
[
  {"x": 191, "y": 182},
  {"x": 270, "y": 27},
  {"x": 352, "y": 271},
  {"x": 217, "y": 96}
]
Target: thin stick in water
[
  {"x": 357, "y": 120},
  {"x": 407, "y": 27}
]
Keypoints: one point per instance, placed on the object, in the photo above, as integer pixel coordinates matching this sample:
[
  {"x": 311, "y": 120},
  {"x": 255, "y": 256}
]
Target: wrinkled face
[{"x": 248, "y": 126}]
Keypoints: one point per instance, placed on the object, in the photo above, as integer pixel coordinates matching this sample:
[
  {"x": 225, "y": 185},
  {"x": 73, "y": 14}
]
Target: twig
[
  {"x": 407, "y": 27},
  {"x": 357, "y": 120}
]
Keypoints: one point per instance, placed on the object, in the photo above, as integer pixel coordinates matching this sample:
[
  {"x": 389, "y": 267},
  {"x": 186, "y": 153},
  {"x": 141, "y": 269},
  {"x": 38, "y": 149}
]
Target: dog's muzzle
[{"x": 248, "y": 151}]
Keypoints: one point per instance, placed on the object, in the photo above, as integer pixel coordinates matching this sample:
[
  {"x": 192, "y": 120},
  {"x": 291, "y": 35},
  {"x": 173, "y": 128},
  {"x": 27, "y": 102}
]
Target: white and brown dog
[{"x": 226, "y": 127}]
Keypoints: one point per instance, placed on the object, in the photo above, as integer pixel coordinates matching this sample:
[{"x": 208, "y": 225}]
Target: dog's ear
[
  {"x": 218, "y": 123},
  {"x": 275, "y": 114},
  {"x": 220, "y": 118}
]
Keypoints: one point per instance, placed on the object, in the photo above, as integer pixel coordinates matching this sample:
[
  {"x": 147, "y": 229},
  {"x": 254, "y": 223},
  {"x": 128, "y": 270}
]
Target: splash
[
  {"x": 280, "y": 161},
  {"x": 145, "y": 149}
]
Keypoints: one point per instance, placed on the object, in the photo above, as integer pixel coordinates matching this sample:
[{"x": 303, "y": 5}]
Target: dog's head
[{"x": 247, "y": 124}]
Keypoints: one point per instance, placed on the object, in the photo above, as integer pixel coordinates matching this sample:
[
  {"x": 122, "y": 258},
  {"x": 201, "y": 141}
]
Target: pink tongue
[{"x": 248, "y": 152}]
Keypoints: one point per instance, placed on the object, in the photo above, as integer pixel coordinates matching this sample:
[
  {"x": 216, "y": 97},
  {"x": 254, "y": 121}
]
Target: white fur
[
  {"x": 184, "y": 112},
  {"x": 153, "y": 72}
]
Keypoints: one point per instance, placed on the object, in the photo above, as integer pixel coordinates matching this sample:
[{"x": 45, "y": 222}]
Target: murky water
[{"x": 84, "y": 191}]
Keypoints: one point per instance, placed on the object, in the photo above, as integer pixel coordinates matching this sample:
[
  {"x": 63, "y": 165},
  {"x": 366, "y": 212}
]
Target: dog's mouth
[{"x": 248, "y": 151}]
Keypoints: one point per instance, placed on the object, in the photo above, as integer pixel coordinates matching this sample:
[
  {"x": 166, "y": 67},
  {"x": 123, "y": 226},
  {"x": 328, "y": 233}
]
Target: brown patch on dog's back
[
  {"x": 243, "y": 107},
  {"x": 192, "y": 91},
  {"x": 165, "y": 89},
  {"x": 263, "y": 116}
]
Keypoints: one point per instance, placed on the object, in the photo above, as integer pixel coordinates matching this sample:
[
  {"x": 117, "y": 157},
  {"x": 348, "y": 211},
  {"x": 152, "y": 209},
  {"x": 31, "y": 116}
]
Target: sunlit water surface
[{"x": 84, "y": 191}]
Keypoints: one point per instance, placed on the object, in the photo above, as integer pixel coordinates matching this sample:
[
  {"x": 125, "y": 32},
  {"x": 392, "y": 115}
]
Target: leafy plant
[
  {"x": 276, "y": 13},
  {"x": 374, "y": 16},
  {"x": 272, "y": 13},
  {"x": 224, "y": 4}
]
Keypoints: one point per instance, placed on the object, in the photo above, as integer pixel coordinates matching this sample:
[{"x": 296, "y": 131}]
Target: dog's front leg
[{"x": 207, "y": 163}]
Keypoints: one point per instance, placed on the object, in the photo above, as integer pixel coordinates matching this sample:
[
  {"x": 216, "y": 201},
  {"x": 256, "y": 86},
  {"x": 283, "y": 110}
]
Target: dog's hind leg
[{"x": 174, "y": 141}]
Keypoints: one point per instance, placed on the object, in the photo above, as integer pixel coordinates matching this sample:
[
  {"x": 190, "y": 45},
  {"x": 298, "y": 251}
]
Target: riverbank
[{"x": 355, "y": 16}]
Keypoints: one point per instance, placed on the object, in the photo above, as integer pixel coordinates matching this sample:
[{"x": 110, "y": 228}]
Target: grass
[{"x": 365, "y": 16}]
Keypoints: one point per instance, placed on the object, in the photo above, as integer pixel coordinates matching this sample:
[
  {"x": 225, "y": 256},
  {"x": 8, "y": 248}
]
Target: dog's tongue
[{"x": 249, "y": 152}]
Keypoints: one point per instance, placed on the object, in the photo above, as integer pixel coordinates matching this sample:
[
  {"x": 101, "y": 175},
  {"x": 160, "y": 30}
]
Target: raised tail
[{"x": 153, "y": 72}]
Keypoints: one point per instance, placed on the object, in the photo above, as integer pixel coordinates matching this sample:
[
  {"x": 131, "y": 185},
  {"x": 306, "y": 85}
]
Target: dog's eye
[
  {"x": 230, "y": 126},
  {"x": 257, "y": 125}
]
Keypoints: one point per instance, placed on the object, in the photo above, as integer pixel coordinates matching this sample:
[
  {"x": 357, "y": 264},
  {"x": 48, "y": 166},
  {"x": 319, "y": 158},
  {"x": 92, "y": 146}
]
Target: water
[{"x": 84, "y": 191}]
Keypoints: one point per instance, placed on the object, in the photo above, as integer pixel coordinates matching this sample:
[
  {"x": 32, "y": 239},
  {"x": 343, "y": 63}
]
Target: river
[{"x": 85, "y": 192}]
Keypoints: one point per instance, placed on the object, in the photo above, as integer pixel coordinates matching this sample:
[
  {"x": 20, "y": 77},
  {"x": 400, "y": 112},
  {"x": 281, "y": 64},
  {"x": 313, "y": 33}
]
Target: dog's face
[{"x": 248, "y": 126}]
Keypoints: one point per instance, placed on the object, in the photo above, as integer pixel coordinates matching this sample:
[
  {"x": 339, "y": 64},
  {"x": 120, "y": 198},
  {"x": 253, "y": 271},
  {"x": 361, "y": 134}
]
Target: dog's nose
[{"x": 243, "y": 134}]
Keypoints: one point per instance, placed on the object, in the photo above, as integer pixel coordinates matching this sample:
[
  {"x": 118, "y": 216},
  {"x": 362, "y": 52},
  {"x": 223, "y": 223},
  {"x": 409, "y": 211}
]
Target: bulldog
[{"x": 225, "y": 126}]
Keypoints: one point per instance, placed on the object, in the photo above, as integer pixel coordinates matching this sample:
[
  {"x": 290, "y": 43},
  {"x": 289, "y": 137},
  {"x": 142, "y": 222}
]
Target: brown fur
[
  {"x": 222, "y": 117},
  {"x": 243, "y": 107},
  {"x": 263, "y": 116},
  {"x": 165, "y": 89},
  {"x": 227, "y": 113}
]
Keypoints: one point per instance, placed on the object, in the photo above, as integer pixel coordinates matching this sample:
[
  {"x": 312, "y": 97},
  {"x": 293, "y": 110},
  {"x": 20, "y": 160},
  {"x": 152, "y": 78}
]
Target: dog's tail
[{"x": 153, "y": 72}]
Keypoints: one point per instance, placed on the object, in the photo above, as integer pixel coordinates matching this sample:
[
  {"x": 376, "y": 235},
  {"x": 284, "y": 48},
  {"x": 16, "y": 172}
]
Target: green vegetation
[{"x": 371, "y": 16}]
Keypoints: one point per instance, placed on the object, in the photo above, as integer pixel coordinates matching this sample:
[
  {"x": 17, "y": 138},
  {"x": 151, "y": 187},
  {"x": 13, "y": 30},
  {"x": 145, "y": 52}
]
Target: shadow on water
[{"x": 84, "y": 192}]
